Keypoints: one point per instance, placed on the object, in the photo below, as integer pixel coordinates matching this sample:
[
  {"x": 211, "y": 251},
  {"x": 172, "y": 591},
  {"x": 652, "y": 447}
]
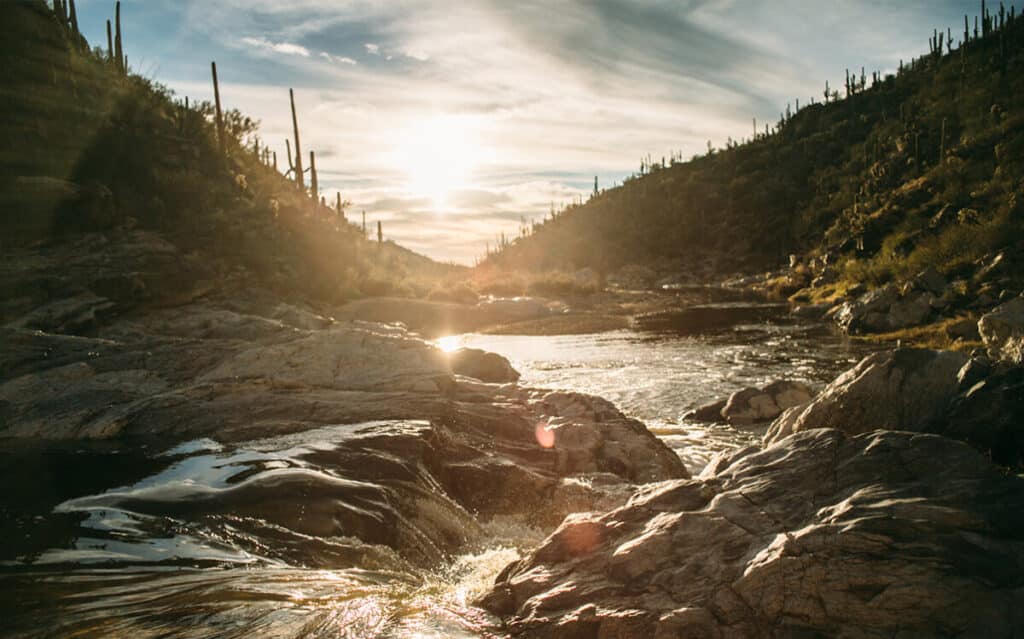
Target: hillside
[
  {"x": 99, "y": 149},
  {"x": 919, "y": 168}
]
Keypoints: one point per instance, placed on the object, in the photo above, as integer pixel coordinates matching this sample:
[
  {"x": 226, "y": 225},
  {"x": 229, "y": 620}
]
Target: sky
[{"x": 452, "y": 121}]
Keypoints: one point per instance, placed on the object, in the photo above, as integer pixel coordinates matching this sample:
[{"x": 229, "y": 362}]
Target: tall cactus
[
  {"x": 218, "y": 114},
  {"x": 73, "y": 17},
  {"x": 298, "y": 150},
  {"x": 291, "y": 161},
  {"x": 314, "y": 184},
  {"x": 380, "y": 233},
  {"x": 942, "y": 142},
  {"x": 110, "y": 44},
  {"x": 118, "y": 42}
]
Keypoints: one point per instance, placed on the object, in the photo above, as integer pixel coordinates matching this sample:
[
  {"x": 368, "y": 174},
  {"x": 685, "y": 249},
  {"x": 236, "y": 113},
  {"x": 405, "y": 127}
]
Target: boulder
[
  {"x": 884, "y": 310},
  {"x": 1002, "y": 330},
  {"x": 754, "y": 405},
  {"x": 989, "y": 412},
  {"x": 708, "y": 413},
  {"x": 905, "y": 389},
  {"x": 822, "y": 534},
  {"x": 481, "y": 365}
]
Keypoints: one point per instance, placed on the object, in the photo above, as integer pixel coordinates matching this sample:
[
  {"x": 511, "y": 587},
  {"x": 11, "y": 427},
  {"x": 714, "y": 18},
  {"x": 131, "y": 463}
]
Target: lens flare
[{"x": 545, "y": 436}]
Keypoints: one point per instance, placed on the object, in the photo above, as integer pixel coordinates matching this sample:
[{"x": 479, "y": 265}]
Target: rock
[
  {"x": 965, "y": 329},
  {"x": 989, "y": 412},
  {"x": 487, "y": 367},
  {"x": 1002, "y": 329},
  {"x": 822, "y": 534},
  {"x": 711, "y": 412},
  {"x": 884, "y": 310},
  {"x": 930, "y": 281},
  {"x": 905, "y": 389},
  {"x": 754, "y": 405}
]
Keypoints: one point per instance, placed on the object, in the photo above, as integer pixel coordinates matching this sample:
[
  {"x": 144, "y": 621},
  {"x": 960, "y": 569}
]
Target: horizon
[{"x": 451, "y": 139}]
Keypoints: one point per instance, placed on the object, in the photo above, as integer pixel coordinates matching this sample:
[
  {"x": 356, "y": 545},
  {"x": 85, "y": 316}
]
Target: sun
[{"x": 439, "y": 156}]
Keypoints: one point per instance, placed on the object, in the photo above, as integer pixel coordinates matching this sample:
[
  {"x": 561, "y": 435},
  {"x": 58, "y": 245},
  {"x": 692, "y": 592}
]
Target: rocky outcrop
[
  {"x": 941, "y": 392},
  {"x": 821, "y": 534},
  {"x": 905, "y": 389},
  {"x": 885, "y": 309},
  {"x": 1002, "y": 329}
]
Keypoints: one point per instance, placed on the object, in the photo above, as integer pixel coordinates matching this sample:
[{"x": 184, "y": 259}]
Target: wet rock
[
  {"x": 754, "y": 405},
  {"x": 710, "y": 412},
  {"x": 478, "y": 364},
  {"x": 905, "y": 389},
  {"x": 821, "y": 534},
  {"x": 1002, "y": 329}
]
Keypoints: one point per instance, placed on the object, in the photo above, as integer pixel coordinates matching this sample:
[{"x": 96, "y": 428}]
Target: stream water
[{"x": 97, "y": 541}]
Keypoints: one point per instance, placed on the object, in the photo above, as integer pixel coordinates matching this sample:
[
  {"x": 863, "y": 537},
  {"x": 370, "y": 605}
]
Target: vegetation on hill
[
  {"x": 923, "y": 167},
  {"x": 96, "y": 148}
]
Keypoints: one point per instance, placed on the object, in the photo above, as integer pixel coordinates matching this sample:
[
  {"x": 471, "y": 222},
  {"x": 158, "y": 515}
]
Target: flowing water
[{"x": 99, "y": 541}]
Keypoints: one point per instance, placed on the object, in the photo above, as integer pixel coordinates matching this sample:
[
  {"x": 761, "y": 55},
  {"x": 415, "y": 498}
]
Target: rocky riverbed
[{"x": 177, "y": 428}]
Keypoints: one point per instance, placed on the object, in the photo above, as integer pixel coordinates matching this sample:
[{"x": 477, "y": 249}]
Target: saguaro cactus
[
  {"x": 314, "y": 185},
  {"x": 380, "y": 233},
  {"x": 110, "y": 44},
  {"x": 219, "y": 115},
  {"x": 118, "y": 42},
  {"x": 74, "y": 17},
  {"x": 942, "y": 142},
  {"x": 298, "y": 149}
]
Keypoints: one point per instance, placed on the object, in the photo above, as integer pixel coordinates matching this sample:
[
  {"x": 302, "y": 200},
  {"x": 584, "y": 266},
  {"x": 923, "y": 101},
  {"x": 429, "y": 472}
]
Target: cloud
[
  {"x": 372, "y": 49},
  {"x": 286, "y": 48},
  {"x": 334, "y": 59}
]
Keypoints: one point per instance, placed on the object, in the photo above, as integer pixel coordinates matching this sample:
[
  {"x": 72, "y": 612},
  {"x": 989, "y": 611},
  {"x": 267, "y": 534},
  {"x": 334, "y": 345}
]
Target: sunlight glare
[
  {"x": 439, "y": 156},
  {"x": 450, "y": 343}
]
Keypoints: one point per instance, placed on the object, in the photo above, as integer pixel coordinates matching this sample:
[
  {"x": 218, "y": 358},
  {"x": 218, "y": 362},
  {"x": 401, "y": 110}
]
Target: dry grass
[{"x": 933, "y": 336}]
